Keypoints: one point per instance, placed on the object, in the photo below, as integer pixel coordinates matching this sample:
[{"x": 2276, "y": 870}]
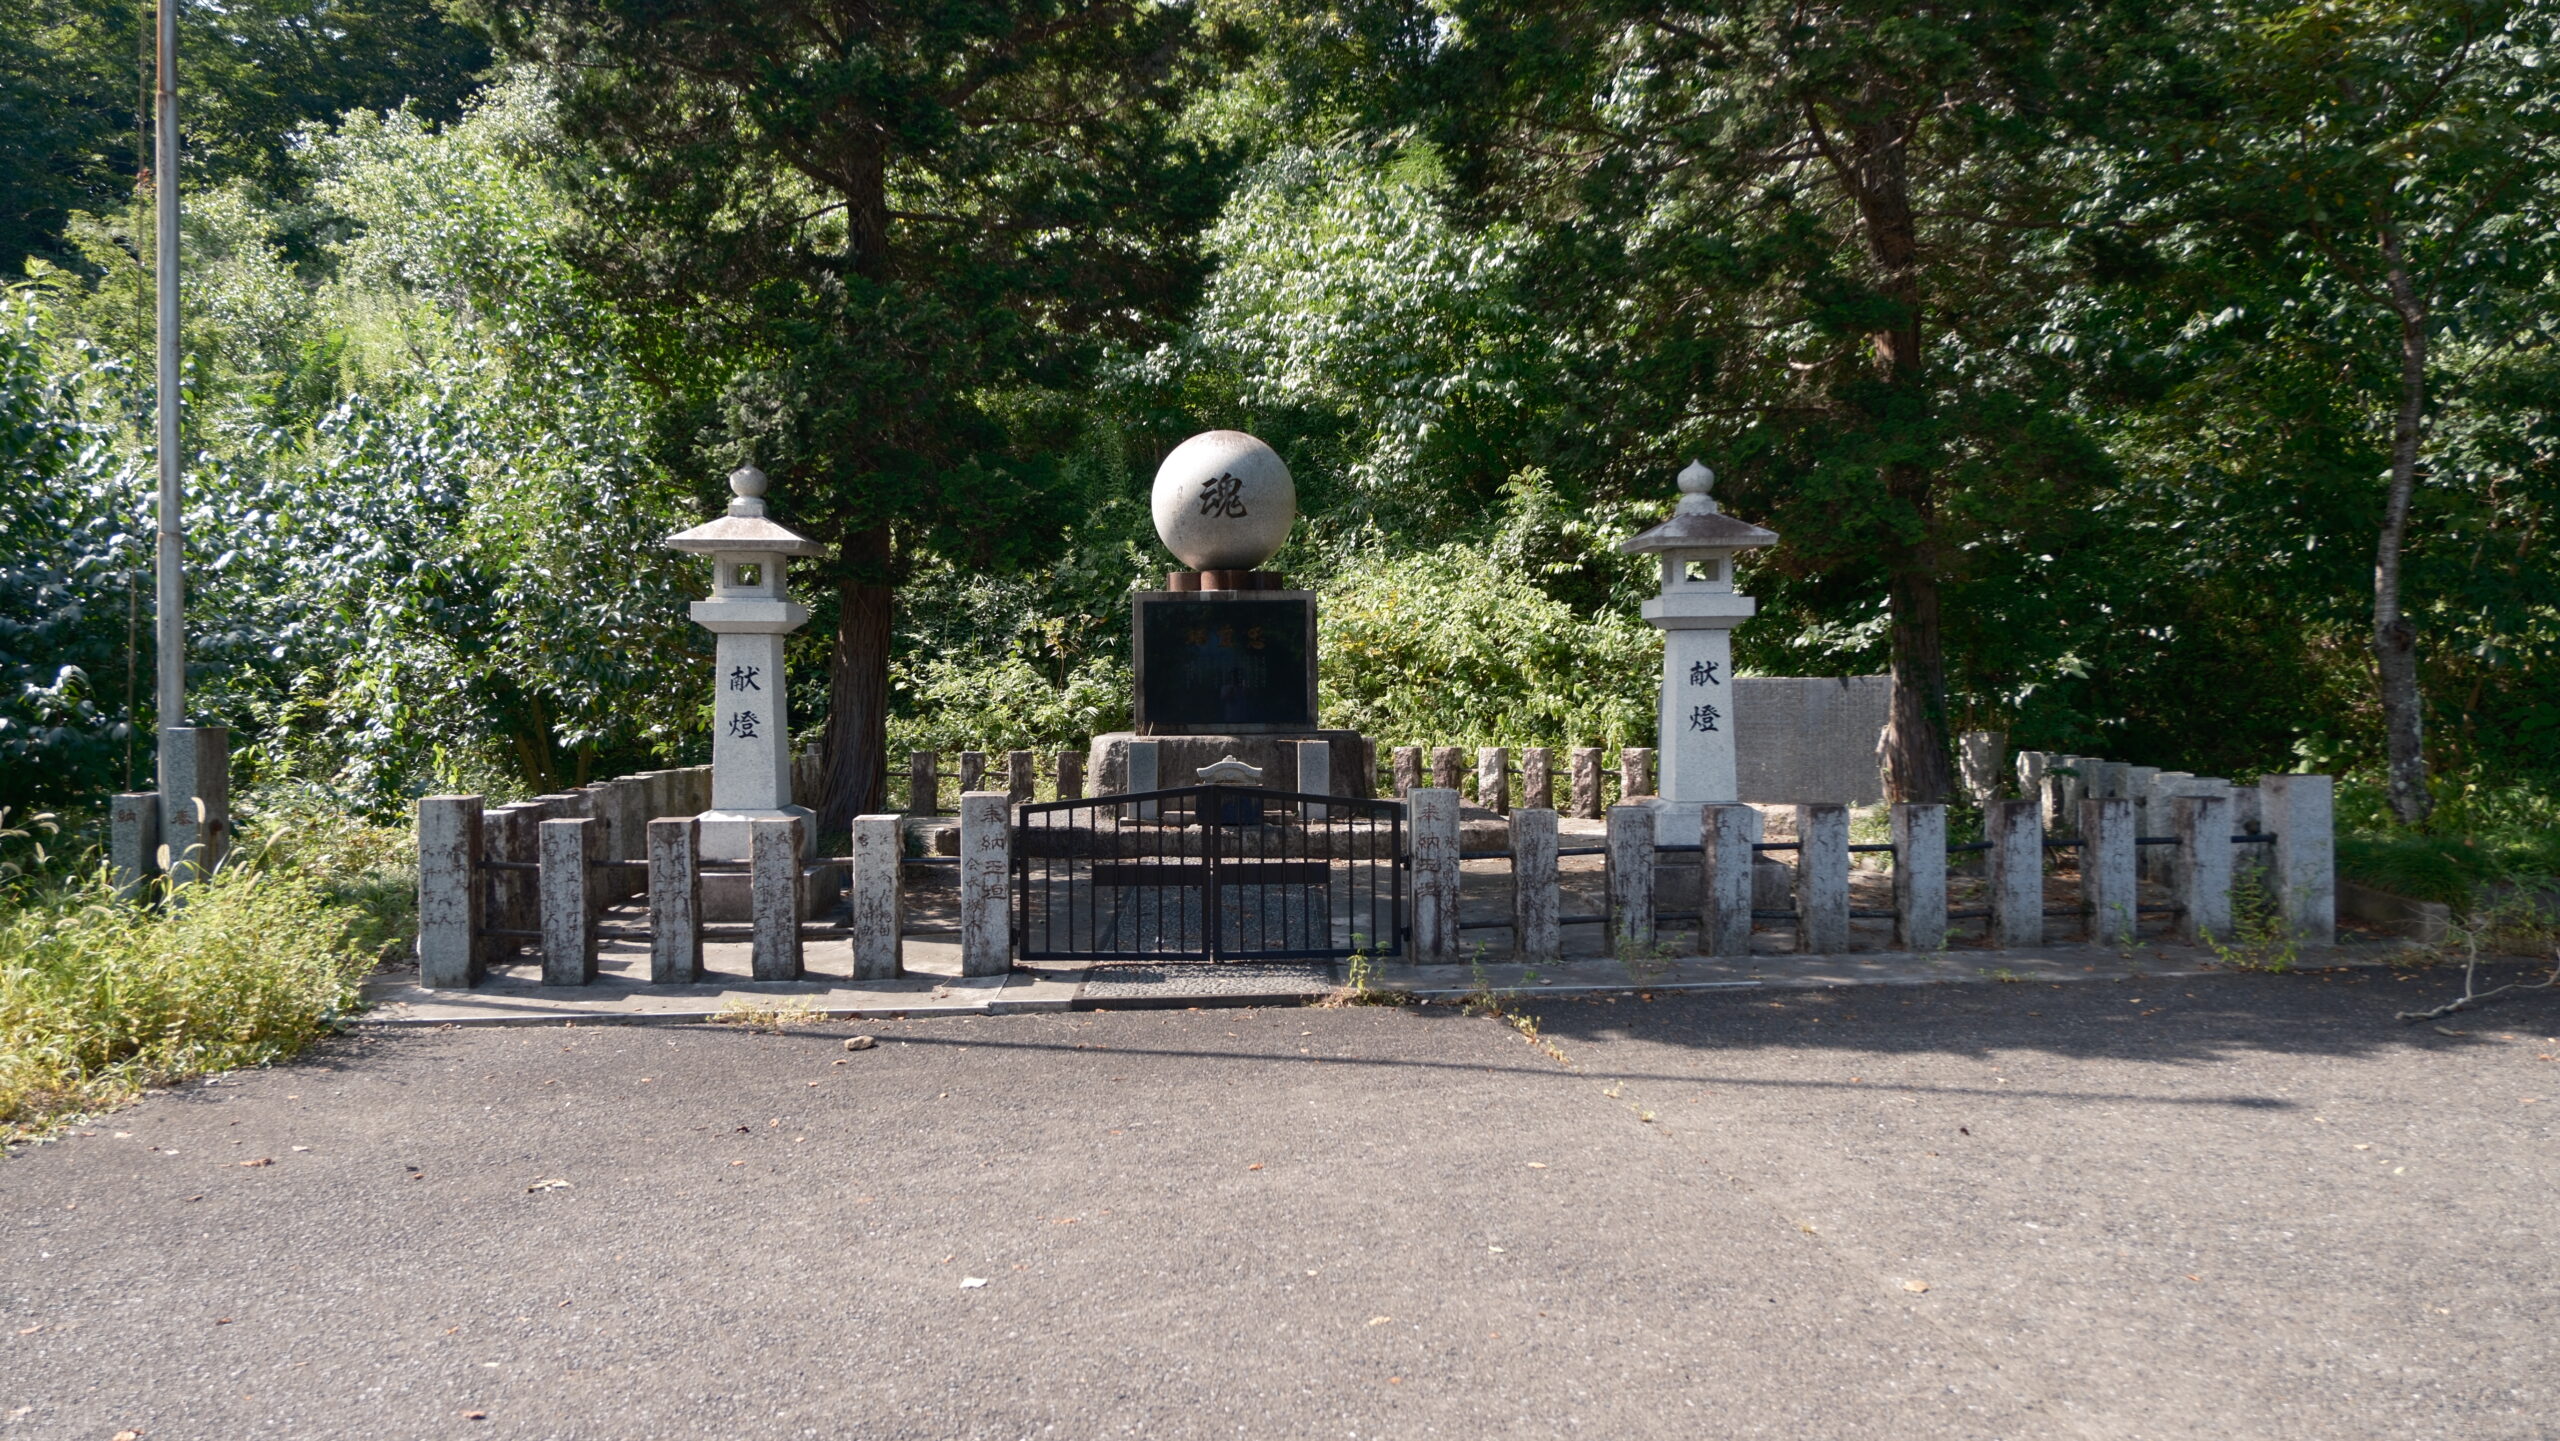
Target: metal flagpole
[{"x": 169, "y": 626}]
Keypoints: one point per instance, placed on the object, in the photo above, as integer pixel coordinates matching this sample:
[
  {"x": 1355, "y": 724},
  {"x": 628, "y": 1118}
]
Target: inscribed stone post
[
  {"x": 449, "y": 891},
  {"x": 675, "y": 901},
  {"x": 1822, "y": 879},
  {"x": 2201, "y": 878},
  {"x": 924, "y": 783},
  {"x": 1448, "y": 767},
  {"x": 195, "y": 801},
  {"x": 1586, "y": 783},
  {"x": 2016, "y": 866},
  {"x": 1435, "y": 873},
  {"x": 1538, "y": 778},
  {"x": 570, "y": 849},
  {"x": 1493, "y": 779},
  {"x": 1631, "y": 863},
  {"x": 773, "y": 885},
  {"x": 2107, "y": 850},
  {"x": 1725, "y": 879},
  {"x": 878, "y": 903},
  {"x": 986, "y": 880},
  {"x": 133, "y": 841},
  {"x": 1536, "y": 893},
  {"x": 1407, "y": 761},
  {"x": 2300, "y": 811},
  {"x": 1920, "y": 875}
]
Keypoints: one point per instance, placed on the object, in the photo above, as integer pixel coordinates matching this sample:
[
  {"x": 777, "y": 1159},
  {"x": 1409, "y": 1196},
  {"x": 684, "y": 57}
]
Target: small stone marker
[
  {"x": 1635, "y": 773},
  {"x": 1493, "y": 779},
  {"x": 1920, "y": 876},
  {"x": 1586, "y": 783},
  {"x": 986, "y": 880},
  {"x": 924, "y": 783},
  {"x": 1021, "y": 777},
  {"x": 1538, "y": 778},
  {"x": 1725, "y": 887},
  {"x": 1822, "y": 879},
  {"x": 774, "y": 884},
  {"x": 1407, "y": 761},
  {"x": 2016, "y": 867},
  {"x": 2300, "y": 810},
  {"x": 2200, "y": 876},
  {"x": 1435, "y": 873},
  {"x": 1070, "y": 771},
  {"x": 1631, "y": 863},
  {"x": 675, "y": 901},
  {"x": 570, "y": 849},
  {"x": 877, "y": 900},
  {"x": 450, "y": 894},
  {"x": 1448, "y": 767},
  {"x": 2106, "y": 869},
  {"x": 1536, "y": 900}
]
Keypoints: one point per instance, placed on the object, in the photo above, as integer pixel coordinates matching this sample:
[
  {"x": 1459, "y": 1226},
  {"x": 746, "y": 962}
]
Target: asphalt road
[{"x": 2227, "y": 1208}]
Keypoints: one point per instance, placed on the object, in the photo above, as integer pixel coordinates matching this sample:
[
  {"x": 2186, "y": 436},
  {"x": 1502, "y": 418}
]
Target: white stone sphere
[{"x": 1224, "y": 501}]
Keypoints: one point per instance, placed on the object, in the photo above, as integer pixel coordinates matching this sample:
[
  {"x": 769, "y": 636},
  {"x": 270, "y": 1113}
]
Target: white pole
[{"x": 170, "y": 637}]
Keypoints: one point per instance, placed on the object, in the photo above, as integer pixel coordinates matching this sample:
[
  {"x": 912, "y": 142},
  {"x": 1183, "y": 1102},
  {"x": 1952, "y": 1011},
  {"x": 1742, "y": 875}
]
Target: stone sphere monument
[
  {"x": 1225, "y": 654},
  {"x": 1224, "y": 501}
]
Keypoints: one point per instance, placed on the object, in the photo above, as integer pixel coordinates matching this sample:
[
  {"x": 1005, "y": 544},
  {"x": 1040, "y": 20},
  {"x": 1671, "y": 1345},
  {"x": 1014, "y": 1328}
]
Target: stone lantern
[
  {"x": 1696, "y": 612},
  {"x": 751, "y": 613}
]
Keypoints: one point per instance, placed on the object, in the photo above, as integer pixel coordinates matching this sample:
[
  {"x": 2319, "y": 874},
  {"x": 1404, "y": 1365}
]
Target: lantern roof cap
[
  {"x": 1698, "y": 523},
  {"x": 745, "y": 527}
]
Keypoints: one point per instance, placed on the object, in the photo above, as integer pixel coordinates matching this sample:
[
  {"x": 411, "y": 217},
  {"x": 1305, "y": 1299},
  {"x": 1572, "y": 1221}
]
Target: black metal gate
[{"x": 1208, "y": 873}]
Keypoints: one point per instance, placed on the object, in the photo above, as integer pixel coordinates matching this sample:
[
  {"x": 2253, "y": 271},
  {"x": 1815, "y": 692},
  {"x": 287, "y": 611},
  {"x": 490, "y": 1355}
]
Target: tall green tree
[
  {"x": 1820, "y": 237},
  {"x": 868, "y": 234},
  {"x": 76, "y": 79},
  {"x": 2380, "y": 182}
]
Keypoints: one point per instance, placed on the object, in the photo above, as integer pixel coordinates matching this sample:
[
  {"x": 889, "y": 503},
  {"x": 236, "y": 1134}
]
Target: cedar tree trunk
[{"x": 2395, "y": 641}]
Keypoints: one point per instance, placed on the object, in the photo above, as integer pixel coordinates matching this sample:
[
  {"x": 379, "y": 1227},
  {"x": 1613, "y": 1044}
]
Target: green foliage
[
  {"x": 101, "y": 997},
  {"x": 950, "y": 704},
  {"x": 1452, "y": 647},
  {"x": 76, "y": 84}
]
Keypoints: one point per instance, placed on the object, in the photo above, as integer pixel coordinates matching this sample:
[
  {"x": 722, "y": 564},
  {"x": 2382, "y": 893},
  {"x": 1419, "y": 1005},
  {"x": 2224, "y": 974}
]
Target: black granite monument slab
[{"x": 1225, "y": 662}]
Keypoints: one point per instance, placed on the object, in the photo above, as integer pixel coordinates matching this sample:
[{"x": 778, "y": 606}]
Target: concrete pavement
[{"x": 2225, "y": 1206}]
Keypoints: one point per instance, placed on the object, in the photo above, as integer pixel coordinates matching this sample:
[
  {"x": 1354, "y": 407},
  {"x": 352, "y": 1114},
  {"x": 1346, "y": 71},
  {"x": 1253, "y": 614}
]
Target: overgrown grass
[
  {"x": 2448, "y": 868},
  {"x": 101, "y": 998}
]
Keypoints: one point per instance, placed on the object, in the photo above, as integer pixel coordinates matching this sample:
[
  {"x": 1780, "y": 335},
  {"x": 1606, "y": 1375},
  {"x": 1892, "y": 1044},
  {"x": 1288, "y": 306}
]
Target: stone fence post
[
  {"x": 986, "y": 884},
  {"x": 2016, "y": 868},
  {"x": 2201, "y": 875},
  {"x": 195, "y": 800},
  {"x": 1920, "y": 872},
  {"x": 1822, "y": 879},
  {"x": 675, "y": 901},
  {"x": 1536, "y": 885},
  {"x": 1635, "y": 773},
  {"x": 133, "y": 842},
  {"x": 773, "y": 888},
  {"x": 1070, "y": 765},
  {"x": 570, "y": 848},
  {"x": 1448, "y": 767},
  {"x": 1586, "y": 783},
  {"x": 2301, "y": 811},
  {"x": 878, "y": 901},
  {"x": 1538, "y": 778},
  {"x": 1021, "y": 777},
  {"x": 1493, "y": 779},
  {"x": 1724, "y": 879},
  {"x": 924, "y": 783},
  {"x": 973, "y": 771},
  {"x": 1315, "y": 776},
  {"x": 1980, "y": 755},
  {"x": 1407, "y": 764},
  {"x": 1631, "y": 863},
  {"x": 1434, "y": 820},
  {"x": 449, "y": 892},
  {"x": 2107, "y": 869}
]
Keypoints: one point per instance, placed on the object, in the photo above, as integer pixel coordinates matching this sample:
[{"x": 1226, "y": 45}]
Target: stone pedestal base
[
  {"x": 724, "y": 833},
  {"x": 1179, "y": 758}
]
